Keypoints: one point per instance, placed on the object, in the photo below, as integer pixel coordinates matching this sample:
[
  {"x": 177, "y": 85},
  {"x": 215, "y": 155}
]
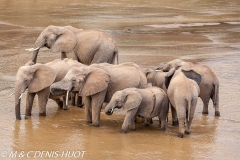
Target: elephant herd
[{"x": 87, "y": 68}]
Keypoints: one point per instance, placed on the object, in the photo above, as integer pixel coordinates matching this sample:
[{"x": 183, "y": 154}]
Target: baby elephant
[
  {"x": 149, "y": 102},
  {"x": 183, "y": 91}
]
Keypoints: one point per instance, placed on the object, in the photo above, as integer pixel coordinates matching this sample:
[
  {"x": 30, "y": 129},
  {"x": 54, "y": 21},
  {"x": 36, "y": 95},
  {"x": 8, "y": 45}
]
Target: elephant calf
[
  {"x": 183, "y": 91},
  {"x": 149, "y": 102}
]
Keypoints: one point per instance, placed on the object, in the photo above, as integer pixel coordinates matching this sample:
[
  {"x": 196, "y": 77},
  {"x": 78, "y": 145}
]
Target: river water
[{"x": 147, "y": 32}]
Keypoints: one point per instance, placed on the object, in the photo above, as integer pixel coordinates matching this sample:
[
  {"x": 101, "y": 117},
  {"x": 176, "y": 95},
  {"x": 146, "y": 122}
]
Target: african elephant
[
  {"x": 183, "y": 91},
  {"x": 209, "y": 86},
  {"x": 85, "y": 46},
  {"x": 37, "y": 78},
  {"x": 98, "y": 82},
  {"x": 156, "y": 78},
  {"x": 148, "y": 103}
]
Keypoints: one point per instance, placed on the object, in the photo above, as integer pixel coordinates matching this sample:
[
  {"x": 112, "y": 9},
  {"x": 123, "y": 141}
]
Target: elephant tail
[{"x": 189, "y": 107}]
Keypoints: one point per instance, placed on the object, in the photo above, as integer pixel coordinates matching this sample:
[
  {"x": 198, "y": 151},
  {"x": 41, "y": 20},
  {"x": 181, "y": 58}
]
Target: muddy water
[{"x": 147, "y": 33}]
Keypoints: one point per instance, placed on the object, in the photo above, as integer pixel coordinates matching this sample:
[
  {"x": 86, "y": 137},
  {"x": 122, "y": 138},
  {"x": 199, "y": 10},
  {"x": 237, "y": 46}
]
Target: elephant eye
[
  {"x": 25, "y": 80},
  {"x": 74, "y": 80}
]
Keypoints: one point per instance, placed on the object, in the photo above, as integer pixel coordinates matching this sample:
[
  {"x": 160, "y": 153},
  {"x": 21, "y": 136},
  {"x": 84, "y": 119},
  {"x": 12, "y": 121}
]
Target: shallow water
[{"x": 147, "y": 33}]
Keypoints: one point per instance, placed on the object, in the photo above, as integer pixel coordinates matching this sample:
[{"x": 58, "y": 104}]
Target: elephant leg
[
  {"x": 205, "y": 104},
  {"x": 43, "y": 96},
  {"x": 73, "y": 98},
  {"x": 192, "y": 112},
  {"x": 88, "y": 108},
  {"x": 215, "y": 99},
  {"x": 181, "y": 114},
  {"x": 132, "y": 124},
  {"x": 80, "y": 104},
  {"x": 174, "y": 116},
  {"x": 97, "y": 101},
  {"x": 216, "y": 106},
  {"x": 163, "y": 119},
  {"x": 129, "y": 118},
  {"x": 29, "y": 103}
]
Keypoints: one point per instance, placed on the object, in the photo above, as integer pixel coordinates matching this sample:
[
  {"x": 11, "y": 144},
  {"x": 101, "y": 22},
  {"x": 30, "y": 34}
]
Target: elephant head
[
  {"x": 191, "y": 74},
  {"x": 87, "y": 80},
  {"x": 57, "y": 39},
  {"x": 177, "y": 63},
  {"x": 34, "y": 78},
  {"x": 127, "y": 99}
]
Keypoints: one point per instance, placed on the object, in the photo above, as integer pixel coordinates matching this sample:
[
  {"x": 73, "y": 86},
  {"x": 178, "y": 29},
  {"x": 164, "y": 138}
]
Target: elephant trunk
[
  {"x": 109, "y": 108},
  {"x": 40, "y": 42},
  {"x": 18, "y": 96},
  {"x": 34, "y": 57},
  {"x": 61, "y": 87}
]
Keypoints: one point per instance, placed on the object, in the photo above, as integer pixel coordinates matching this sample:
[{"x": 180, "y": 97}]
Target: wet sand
[{"x": 147, "y": 33}]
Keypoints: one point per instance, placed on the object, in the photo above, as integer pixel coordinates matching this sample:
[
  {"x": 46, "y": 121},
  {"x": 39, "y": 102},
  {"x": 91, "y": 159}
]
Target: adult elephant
[
  {"x": 85, "y": 46},
  {"x": 98, "y": 82},
  {"x": 209, "y": 86},
  {"x": 37, "y": 78}
]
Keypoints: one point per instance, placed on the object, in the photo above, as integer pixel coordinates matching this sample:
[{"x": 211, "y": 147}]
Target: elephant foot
[
  {"x": 145, "y": 124},
  {"x": 187, "y": 132},
  {"x": 42, "y": 114},
  {"x": 89, "y": 121},
  {"x": 65, "y": 108},
  {"x": 80, "y": 105},
  {"x": 217, "y": 113},
  {"x": 28, "y": 114},
  {"x": 95, "y": 125},
  {"x": 123, "y": 131},
  {"x": 18, "y": 118},
  {"x": 163, "y": 128},
  {"x": 175, "y": 123},
  {"x": 204, "y": 112},
  {"x": 180, "y": 135}
]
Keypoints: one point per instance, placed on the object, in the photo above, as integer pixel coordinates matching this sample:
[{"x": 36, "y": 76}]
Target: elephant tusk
[
  {"x": 11, "y": 94},
  {"x": 32, "y": 49},
  {"x": 111, "y": 111},
  {"x": 67, "y": 99},
  {"x": 20, "y": 96}
]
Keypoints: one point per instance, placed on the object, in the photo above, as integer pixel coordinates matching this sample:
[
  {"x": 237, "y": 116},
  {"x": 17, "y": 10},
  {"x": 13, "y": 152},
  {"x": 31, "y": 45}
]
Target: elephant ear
[
  {"x": 193, "y": 75},
  {"x": 65, "y": 41},
  {"x": 96, "y": 81},
  {"x": 169, "y": 76},
  {"x": 43, "y": 76},
  {"x": 133, "y": 100}
]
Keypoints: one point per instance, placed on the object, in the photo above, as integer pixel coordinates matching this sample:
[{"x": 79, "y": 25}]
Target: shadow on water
[{"x": 147, "y": 33}]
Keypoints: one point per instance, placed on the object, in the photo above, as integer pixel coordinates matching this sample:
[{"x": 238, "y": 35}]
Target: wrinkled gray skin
[
  {"x": 98, "y": 82},
  {"x": 37, "y": 78},
  {"x": 156, "y": 78},
  {"x": 85, "y": 46},
  {"x": 183, "y": 91},
  {"x": 209, "y": 86},
  {"x": 149, "y": 103}
]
